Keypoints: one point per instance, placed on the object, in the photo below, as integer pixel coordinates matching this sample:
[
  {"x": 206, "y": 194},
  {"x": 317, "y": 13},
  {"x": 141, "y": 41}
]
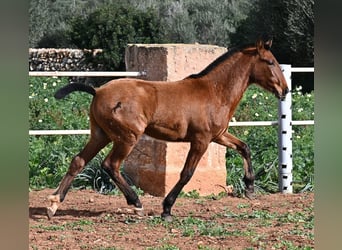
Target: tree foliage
[
  {"x": 291, "y": 23},
  {"x": 48, "y": 22},
  {"x": 202, "y": 21},
  {"x": 111, "y": 27}
]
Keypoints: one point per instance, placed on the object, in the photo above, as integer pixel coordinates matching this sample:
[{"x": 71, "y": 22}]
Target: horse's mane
[{"x": 220, "y": 59}]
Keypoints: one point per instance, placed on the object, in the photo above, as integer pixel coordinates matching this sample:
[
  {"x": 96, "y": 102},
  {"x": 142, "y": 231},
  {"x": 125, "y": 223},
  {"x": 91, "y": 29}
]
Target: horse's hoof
[
  {"x": 51, "y": 210},
  {"x": 139, "y": 211},
  {"x": 167, "y": 217},
  {"x": 250, "y": 195}
]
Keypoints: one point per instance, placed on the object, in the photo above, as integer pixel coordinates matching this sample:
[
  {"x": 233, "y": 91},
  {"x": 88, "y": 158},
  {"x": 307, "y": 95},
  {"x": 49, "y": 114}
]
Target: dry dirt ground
[{"x": 88, "y": 220}]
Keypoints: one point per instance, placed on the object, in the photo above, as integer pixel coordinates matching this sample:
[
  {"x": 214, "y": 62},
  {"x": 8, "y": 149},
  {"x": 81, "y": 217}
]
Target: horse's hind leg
[
  {"x": 242, "y": 148},
  {"x": 112, "y": 166},
  {"x": 97, "y": 141}
]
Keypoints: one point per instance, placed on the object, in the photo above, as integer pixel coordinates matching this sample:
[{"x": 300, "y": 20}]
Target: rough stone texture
[
  {"x": 154, "y": 165},
  {"x": 170, "y": 62},
  {"x": 50, "y": 59},
  {"x": 151, "y": 59}
]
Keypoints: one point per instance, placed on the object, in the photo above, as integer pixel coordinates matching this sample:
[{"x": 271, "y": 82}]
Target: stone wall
[
  {"x": 154, "y": 165},
  {"x": 61, "y": 60}
]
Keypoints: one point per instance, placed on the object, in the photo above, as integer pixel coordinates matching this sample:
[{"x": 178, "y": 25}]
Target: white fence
[
  {"x": 231, "y": 124},
  {"x": 284, "y": 119},
  {"x": 285, "y": 132},
  {"x": 86, "y": 73}
]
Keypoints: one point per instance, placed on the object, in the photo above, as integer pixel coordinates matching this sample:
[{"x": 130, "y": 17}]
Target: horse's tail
[{"x": 66, "y": 90}]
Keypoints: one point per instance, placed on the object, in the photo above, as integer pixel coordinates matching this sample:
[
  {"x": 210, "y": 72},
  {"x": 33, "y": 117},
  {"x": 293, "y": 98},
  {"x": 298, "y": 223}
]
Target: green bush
[
  {"x": 50, "y": 156},
  {"x": 258, "y": 105},
  {"x": 111, "y": 27}
]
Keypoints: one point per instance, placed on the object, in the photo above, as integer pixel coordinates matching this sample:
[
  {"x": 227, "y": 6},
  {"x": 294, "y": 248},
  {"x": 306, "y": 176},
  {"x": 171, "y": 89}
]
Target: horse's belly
[{"x": 167, "y": 133}]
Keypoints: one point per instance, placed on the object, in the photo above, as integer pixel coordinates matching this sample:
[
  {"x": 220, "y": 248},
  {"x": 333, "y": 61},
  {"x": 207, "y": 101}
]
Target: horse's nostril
[{"x": 286, "y": 91}]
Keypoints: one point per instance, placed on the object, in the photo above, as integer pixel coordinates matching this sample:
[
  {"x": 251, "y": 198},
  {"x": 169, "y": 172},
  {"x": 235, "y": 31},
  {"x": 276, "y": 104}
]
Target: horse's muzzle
[{"x": 283, "y": 95}]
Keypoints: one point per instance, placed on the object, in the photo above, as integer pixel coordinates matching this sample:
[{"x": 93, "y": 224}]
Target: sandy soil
[{"x": 88, "y": 220}]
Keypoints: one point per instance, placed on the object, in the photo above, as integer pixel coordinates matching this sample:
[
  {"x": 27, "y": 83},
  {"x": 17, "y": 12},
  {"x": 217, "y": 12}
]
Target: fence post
[{"x": 285, "y": 136}]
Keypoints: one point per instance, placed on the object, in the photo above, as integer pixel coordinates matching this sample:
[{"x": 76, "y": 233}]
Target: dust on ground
[{"x": 89, "y": 220}]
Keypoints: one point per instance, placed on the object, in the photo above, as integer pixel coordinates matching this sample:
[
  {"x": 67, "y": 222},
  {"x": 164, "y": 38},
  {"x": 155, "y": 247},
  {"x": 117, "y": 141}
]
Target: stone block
[{"x": 170, "y": 62}]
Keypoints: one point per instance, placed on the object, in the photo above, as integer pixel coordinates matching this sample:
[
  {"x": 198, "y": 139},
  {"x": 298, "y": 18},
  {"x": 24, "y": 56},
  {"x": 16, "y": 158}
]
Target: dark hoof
[
  {"x": 250, "y": 195},
  {"x": 166, "y": 217}
]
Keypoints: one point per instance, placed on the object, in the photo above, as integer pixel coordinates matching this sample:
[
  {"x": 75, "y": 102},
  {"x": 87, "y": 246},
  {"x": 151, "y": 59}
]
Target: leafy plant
[
  {"x": 50, "y": 156},
  {"x": 111, "y": 27},
  {"x": 258, "y": 105}
]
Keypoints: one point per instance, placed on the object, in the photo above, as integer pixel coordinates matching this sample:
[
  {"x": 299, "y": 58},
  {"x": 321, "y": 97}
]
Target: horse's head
[{"x": 267, "y": 72}]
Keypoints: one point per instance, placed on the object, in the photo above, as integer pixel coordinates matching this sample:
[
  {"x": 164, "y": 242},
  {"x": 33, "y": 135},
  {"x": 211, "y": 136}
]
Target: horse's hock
[{"x": 155, "y": 165}]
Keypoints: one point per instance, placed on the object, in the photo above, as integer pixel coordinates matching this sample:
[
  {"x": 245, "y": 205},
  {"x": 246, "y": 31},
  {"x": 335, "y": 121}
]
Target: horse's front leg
[
  {"x": 242, "y": 148},
  {"x": 196, "y": 152}
]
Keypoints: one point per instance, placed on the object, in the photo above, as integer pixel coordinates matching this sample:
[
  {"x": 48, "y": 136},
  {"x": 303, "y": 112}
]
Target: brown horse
[{"x": 196, "y": 109}]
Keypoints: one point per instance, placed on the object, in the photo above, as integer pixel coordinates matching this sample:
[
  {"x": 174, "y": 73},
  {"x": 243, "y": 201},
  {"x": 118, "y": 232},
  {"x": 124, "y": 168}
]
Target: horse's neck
[{"x": 231, "y": 81}]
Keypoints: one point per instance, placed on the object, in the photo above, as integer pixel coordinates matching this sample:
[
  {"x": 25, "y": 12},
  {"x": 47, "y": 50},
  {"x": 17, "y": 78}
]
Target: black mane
[{"x": 219, "y": 60}]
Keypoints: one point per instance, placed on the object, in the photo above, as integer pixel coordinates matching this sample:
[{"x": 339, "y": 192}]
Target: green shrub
[
  {"x": 45, "y": 112},
  {"x": 111, "y": 27},
  {"x": 258, "y": 105},
  {"x": 50, "y": 156}
]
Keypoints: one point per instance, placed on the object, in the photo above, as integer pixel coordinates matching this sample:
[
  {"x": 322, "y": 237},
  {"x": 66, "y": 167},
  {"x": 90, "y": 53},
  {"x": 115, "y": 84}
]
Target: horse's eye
[{"x": 270, "y": 62}]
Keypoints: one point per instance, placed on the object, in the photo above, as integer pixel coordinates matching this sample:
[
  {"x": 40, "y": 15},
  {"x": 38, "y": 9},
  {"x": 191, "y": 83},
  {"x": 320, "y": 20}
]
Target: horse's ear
[
  {"x": 268, "y": 43},
  {"x": 264, "y": 42},
  {"x": 260, "y": 45}
]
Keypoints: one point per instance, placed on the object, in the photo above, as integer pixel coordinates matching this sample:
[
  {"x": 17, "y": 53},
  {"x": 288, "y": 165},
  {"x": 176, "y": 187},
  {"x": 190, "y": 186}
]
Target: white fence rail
[
  {"x": 87, "y": 73},
  {"x": 284, "y": 119},
  {"x": 231, "y": 124},
  {"x": 60, "y": 132}
]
